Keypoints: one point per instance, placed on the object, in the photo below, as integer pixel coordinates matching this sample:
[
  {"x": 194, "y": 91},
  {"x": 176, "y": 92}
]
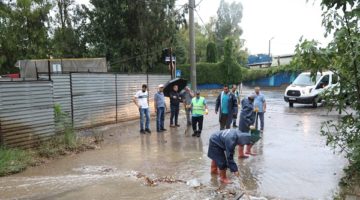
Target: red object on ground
[{"x": 13, "y": 75}]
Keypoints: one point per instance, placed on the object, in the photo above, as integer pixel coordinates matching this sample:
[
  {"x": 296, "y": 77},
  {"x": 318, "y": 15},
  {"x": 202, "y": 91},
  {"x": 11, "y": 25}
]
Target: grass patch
[{"x": 14, "y": 160}]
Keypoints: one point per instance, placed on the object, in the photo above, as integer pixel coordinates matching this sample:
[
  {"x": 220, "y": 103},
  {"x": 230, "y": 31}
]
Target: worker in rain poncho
[
  {"x": 221, "y": 150},
  {"x": 247, "y": 120}
]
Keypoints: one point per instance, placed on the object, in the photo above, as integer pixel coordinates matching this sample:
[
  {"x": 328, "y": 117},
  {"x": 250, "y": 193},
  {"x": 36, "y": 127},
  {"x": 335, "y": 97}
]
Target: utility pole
[
  {"x": 192, "y": 45},
  {"x": 171, "y": 65},
  {"x": 270, "y": 46}
]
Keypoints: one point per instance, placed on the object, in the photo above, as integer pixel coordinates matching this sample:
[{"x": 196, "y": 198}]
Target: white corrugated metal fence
[{"x": 27, "y": 107}]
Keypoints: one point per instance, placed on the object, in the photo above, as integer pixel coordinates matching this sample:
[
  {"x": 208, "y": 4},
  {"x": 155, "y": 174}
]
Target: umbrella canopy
[{"x": 181, "y": 83}]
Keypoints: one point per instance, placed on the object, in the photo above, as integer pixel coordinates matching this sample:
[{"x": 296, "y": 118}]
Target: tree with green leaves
[
  {"x": 341, "y": 20},
  {"x": 131, "y": 34},
  {"x": 227, "y": 25},
  {"x": 66, "y": 41},
  {"x": 24, "y": 31},
  {"x": 232, "y": 69},
  {"x": 211, "y": 53}
]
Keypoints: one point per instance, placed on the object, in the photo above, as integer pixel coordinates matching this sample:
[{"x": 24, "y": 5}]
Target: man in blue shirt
[
  {"x": 160, "y": 107},
  {"x": 226, "y": 103},
  {"x": 260, "y": 107}
]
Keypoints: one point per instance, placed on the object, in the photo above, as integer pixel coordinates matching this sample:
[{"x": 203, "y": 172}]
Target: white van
[{"x": 305, "y": 90}]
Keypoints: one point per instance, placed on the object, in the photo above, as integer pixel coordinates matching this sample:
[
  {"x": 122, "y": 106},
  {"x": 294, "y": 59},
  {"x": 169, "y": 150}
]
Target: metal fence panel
[
  {"x": 154, "y": 82},
  {"x": 128, "y": 85},
  {"x": 62, "y": 95},
  {"x": 93, "y": 98},
  {"x": 26, "y": 113}
]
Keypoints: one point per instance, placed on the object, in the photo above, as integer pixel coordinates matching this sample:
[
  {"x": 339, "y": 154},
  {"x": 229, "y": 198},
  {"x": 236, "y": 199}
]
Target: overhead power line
[{"x": 198, "y": 3}]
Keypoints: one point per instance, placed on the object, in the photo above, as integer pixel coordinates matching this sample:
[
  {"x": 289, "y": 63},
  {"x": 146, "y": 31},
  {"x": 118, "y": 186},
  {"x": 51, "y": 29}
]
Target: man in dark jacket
[
  {"x": 221, "y": 150},
  {"x": 247, "y": 120},
  {"x": 175, "y": 100},
  {"x": 226, "y": 103}
]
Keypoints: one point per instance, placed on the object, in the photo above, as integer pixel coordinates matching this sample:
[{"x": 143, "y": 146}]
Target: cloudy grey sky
[{"x": 283, "y": 20}]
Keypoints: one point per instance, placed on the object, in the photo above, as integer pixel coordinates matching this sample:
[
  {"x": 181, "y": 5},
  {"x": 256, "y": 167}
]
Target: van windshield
[{"x": 305, "y": 80}]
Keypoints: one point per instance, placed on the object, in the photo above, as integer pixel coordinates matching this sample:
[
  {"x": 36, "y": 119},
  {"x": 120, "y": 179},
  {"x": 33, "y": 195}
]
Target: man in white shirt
[{"x": 141, "y": 101}]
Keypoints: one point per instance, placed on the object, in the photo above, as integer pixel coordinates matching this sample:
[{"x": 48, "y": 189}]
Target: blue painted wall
[{"x": 273, "y": 81}]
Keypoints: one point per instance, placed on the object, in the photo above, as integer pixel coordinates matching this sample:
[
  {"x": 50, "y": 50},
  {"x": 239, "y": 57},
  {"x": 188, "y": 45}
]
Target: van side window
[
  {"x": 335, "y": 79},
  {"x": 325, "y": 80}
]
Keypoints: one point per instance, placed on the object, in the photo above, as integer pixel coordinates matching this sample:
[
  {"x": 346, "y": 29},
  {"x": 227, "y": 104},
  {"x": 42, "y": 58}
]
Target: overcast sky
[{"x": 283, "y": 20}]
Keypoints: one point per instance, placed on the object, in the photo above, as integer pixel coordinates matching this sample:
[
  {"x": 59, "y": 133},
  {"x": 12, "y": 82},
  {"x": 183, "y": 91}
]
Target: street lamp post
[{"x": 270, "y": 45}]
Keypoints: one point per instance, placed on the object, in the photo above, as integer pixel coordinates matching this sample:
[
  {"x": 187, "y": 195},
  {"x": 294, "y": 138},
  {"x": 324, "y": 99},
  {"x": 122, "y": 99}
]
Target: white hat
[{"x": 161, "y": 85}]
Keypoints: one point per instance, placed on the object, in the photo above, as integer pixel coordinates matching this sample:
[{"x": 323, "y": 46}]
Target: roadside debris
[
  {"x": 94, "y": 169},
  {"x": 155, "y": 181}
]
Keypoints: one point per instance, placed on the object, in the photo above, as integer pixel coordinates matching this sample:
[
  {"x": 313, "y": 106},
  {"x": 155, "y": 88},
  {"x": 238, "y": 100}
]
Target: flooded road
[{"x": 293, "y": 162}]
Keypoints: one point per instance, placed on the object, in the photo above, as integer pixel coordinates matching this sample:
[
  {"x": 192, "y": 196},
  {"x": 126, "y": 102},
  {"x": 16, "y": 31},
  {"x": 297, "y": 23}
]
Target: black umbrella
[{"x": 181, "y": 83}]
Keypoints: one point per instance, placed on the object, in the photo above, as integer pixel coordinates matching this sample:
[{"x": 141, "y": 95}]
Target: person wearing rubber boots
[
  {"x": 247, "y": 119},
  {"x": 221, "y": 150},
  {"x": 198, "y": 109}
]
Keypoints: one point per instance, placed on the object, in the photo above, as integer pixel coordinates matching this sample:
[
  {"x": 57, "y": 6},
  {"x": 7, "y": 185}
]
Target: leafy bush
[
  {"x": 64, "y": 141},
  {"x": 214, "y": 72}
]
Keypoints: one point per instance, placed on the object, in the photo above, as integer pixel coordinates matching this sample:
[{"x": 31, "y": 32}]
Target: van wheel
[
  {"x": 347, "y": 102},
  {"x": 291, "y": 104},
  {"x": 314, "y": 104}
]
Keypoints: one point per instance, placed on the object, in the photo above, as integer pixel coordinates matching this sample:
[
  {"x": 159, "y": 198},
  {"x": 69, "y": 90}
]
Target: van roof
[{"x": 323, "y": 73}]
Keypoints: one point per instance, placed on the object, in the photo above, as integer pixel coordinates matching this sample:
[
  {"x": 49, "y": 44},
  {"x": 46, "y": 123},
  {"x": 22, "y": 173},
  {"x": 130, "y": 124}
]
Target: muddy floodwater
[{"x": 293, "y": 162}]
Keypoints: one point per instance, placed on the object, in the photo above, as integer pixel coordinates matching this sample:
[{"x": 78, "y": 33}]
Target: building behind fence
[
  {"x": 89, "y": 99},
  {"x": 31, "y": 68}
]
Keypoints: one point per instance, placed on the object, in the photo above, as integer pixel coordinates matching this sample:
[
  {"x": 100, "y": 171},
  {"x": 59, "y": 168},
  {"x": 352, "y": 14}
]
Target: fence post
[
  {"x": 116, "y": 98},
  {"x": 72, "y": 102},
  {"x": 1, "y": 136},
  {"x": 148, "y": 86},
  {"x": 49, "y": 71},
  {"x": 37, "y": 72}
]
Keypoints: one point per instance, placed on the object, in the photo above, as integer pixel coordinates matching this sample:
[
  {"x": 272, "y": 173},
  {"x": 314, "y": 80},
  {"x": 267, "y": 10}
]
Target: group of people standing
[
  {"x": 195, "y": 108},
  {"x": 227, "y": 106}
]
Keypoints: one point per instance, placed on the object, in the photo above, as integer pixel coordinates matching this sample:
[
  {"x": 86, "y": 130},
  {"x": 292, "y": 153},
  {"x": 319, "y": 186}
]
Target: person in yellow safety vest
[{"x": 199, "y": 108}]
